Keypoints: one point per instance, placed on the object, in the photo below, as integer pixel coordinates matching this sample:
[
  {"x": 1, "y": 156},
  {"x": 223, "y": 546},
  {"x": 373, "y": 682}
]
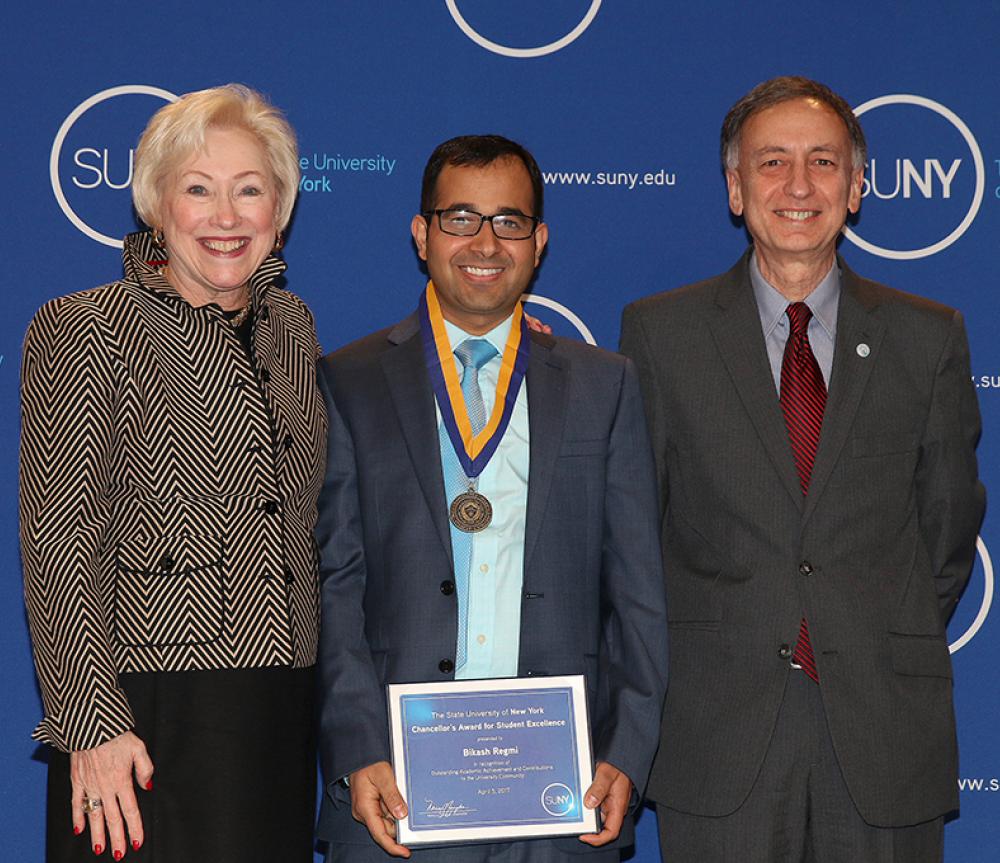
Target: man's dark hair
[
  {"x": 478, "y": 151},
  {"x": 784, "y": 89}
]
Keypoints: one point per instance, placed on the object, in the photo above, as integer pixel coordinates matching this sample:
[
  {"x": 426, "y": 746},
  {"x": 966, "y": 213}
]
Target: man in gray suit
[
  {"x": 814, "y": 434},
  {"x": 566, "y": 576}
]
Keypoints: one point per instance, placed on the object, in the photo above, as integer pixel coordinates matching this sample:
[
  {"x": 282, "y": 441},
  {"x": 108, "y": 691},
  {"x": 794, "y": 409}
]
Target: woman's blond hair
[{"x": 177, "y": 131}]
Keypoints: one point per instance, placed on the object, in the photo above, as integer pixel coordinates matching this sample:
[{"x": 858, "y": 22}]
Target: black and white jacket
[{"x": 168, "y": 490}]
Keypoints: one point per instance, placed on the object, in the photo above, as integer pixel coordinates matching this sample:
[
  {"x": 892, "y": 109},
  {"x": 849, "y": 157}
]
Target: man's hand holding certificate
[
  {"x": 489, "y": 760},
  {"x": 377, "y": 803},
  {"x": 496, "y": 760}
]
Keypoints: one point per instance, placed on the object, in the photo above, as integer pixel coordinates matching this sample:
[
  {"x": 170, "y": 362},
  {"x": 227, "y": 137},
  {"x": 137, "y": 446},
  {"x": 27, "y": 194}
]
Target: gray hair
[{"x": 784, "y": 89}]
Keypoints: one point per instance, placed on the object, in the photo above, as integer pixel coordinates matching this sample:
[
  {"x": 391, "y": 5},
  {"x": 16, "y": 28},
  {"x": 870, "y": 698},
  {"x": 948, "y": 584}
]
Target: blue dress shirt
[
  {"x": 495, "y": 580},
  {"x": 823, "y": 302}
]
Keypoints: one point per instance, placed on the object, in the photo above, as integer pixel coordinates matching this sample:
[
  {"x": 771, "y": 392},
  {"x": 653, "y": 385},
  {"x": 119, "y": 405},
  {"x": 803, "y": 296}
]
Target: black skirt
[{"x": 234, "y": 753}]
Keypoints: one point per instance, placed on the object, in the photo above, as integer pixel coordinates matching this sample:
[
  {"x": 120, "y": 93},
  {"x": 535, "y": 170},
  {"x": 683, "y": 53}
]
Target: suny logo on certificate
[{"x": 557, "y": 799}]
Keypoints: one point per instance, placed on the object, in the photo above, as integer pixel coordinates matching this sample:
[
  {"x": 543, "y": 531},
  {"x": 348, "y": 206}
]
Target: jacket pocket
[
  {"x": 882, "y": 462},
  {"x": 920, "y": 656},
  {"x": 169, "y": 591},
  {"x": 888, "y": 443},
  {"x": 583, "y": 448}
]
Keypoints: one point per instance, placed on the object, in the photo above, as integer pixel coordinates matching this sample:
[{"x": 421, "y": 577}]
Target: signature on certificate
[{"x": 446, "y": 810}]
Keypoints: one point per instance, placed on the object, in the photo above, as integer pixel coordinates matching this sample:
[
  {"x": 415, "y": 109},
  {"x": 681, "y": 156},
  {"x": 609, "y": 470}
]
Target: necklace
[
  {"x": 239, "y": 319},
  {"x": 236, "y": 321}
]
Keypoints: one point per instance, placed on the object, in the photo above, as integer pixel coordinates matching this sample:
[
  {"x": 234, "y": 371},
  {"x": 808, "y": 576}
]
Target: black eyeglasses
[{"x": 468, "y": 223}]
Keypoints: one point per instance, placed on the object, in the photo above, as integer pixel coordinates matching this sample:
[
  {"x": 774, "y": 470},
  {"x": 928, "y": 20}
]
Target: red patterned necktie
[{"x": 803, "y": 398}]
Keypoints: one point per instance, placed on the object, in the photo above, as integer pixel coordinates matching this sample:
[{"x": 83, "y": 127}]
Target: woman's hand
[
  {"x": 104, "y": 773},
  {"x": 536, "y": 325}
]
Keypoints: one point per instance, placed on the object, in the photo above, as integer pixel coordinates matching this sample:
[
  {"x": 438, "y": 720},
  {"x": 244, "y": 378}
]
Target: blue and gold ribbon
[{"x": 473, "y": 451}]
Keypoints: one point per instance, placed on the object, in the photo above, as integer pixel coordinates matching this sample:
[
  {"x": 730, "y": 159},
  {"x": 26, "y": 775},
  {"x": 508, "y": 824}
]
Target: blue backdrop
[{"x": 621, "y": 103}]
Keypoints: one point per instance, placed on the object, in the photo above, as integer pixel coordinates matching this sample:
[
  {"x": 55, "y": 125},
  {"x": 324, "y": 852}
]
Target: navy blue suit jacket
[{"x": 593, "y": 596}]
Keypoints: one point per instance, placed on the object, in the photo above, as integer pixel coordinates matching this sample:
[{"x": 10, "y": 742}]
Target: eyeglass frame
[{"x": 535, "y": 222}]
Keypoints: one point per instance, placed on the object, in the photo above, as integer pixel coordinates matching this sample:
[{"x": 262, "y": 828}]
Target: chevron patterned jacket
[{"x": 168, "y": 490}]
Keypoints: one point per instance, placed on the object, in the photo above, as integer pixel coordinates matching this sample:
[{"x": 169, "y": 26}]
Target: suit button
[
  {"x": 446, "y": 666},
  {"x": 288, "y": 441},
  {"x": 271, "y": 507},
  {"x": 166, "y": 563},
  {"x": 289, "y": 576},
  {"x": 806, "y": 568},
  {"x": 265, "y": 375},
  {"x": 785, "y": 652},
  {"x": 447, "y": 587}
]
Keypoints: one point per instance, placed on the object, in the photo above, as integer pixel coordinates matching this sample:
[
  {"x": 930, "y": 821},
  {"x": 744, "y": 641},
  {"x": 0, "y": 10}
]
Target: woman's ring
[{"x": 91, "y": 804}]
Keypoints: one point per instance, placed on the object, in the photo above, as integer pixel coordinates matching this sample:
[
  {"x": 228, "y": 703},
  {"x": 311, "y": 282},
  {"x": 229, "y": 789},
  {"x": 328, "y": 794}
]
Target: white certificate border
[{"x": 586, "y": 823}]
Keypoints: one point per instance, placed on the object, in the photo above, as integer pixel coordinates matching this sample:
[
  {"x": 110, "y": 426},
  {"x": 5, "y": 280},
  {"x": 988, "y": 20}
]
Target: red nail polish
[
  {"x": 118, "y": 855},
  {"x": 98, "y": 849},
  {"x": 77, "y": 830},
  {"x": 149, "y": 785},
  {"x": 136, "y": 844}
]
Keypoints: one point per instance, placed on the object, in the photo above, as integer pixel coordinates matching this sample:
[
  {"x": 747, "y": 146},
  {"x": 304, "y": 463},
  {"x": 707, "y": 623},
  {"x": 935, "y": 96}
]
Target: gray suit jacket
[
  {"x": 876, "y": 555},
  {"x": 593, "y": 599}
]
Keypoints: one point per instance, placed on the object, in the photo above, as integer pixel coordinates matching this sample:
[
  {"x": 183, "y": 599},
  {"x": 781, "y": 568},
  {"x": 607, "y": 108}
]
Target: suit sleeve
[
  {"x": 634, "y": 603},
  {"x": 68, "y": 387},
  {"x": 353, "y": 724},
  {"x": 950, "y": 498}
]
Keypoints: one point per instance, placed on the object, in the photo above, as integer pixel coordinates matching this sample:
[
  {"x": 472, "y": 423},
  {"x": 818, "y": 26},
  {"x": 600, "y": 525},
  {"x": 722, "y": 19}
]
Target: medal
[{"x": 471, "y": 512}]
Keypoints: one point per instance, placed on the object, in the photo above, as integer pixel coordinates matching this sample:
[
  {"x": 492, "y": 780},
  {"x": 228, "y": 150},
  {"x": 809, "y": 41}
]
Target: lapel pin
[{"x": 863, "y": 350}]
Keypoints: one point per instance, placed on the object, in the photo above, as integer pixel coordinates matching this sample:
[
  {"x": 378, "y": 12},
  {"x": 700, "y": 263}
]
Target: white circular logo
[
  {"x": 540, "y": 51},
  {"x": 64, "y": 129},
  {"x": 984, "y": 608},
  {"x": 977, "y": 197},
  {"x": 558, "y": 799},
  {"x": 574, "y": 319}
]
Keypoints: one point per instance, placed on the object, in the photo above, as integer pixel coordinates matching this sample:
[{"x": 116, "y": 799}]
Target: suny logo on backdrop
[
  {"x": 498, "y": 21},
  {"x": 924, "y": 180},
  {"x": 970, "y": 617},
  {"x": 90, "y": 165}
]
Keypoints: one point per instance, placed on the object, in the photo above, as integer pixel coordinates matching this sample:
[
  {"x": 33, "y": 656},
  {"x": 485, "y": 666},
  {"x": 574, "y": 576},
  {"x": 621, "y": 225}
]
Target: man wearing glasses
[{"x": 489, "y": 511}]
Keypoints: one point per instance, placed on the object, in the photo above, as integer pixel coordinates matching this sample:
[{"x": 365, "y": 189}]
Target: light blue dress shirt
[
  {"x": 823, "y": 302},
  {"x": 497, "y": 572}
]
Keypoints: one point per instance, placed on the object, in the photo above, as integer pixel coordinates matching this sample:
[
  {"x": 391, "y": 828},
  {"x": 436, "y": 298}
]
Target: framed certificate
[{"x": 492, "y": 760}]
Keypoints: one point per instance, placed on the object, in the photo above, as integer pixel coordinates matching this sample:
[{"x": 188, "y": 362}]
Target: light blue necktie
[{"x": 473, "y": 354}]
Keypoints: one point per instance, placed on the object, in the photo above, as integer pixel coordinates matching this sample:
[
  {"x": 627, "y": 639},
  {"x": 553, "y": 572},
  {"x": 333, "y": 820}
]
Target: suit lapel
[
  {"x": 856, "y": 327},
  {"x": 548, "y": 391},
  {"x": 413, "y": 401},
  {"x": 740, "y": 341}
]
